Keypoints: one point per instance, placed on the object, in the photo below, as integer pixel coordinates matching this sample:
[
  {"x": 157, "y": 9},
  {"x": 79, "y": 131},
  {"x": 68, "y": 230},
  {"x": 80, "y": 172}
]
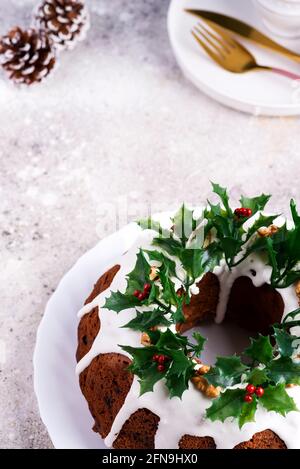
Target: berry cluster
[
  {"x": 243, "y": 212},
  {"x": 161, "y": 361},
  {"x": 142, "y": 295},
  {"x": 251, "y": 389}
]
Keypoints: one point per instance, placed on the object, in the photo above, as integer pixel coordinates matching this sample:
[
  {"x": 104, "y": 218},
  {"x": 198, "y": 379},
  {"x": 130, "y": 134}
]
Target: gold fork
[{"x": 229, "y": 53}]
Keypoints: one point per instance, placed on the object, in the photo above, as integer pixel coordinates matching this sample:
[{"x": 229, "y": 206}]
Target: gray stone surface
[{"x": 117, "y": 125}]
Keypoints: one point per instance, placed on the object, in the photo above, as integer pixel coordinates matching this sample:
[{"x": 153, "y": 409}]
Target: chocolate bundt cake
[{"x": 126, "y": 418}]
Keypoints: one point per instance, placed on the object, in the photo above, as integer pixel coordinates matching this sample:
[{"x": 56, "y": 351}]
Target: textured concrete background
[{"x": 117, "y": 125}]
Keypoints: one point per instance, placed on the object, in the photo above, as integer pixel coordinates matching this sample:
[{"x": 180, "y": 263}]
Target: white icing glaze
[{"x": 186, "y": 416}]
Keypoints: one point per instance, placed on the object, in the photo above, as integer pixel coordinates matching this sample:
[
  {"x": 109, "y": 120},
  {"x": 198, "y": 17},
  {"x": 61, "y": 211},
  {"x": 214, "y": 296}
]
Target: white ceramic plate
[
  {"x": 63, "y": 408},
  {"x": 255, "y": 92}
]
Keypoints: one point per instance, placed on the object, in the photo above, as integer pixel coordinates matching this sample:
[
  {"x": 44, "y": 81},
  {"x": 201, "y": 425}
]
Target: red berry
[
  {"x": 155, "y": 357},
  {"x": 136, "y": 293},
  {"x": 147, "y": 287},
  {"x": 250, "y": 389},
  {"x": 141, "y": 296},
  {"x": 248, "y": 398},
  {"x": 160, "y": 368},
  {"x": 259, "y": 391},
  {"x": 243, "y": 212},
  {"x": 161, "y": 359}
]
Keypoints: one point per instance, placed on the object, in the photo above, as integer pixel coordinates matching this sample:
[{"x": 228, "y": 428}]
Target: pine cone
[
  {"x": 65, "y": 21},
  {"x": 27, "y": 56}
]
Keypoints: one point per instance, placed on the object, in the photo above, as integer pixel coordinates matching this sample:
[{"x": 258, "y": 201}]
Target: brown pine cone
[
  {"x": 27, "y": 56},
  {"x": 65, "y": 21}
]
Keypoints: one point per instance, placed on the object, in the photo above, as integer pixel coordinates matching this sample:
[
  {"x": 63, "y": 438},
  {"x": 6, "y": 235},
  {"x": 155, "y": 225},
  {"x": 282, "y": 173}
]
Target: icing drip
[{"x": 185, "y": 416}]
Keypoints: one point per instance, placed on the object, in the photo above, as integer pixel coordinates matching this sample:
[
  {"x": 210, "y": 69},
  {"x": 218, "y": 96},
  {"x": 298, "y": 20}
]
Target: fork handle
[{"x": 282, "y": 72}]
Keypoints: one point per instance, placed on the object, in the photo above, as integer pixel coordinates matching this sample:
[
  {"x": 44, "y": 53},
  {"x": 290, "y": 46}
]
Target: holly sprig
[
  {"x": 177, "y": 367},
  {"x": 227, "y": 225},
  {"x": 263, "y": 380}
]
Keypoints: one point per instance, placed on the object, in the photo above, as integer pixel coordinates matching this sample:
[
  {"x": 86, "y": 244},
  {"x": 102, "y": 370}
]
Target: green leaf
[
  {"x": 149, "y": 379},
  {"x": 231, "y": 247},
  {"x": 118, "y": 302},
  {"x": 260, "y": 349},
  {"x": 284, "y": 342},
  {"x": 226, "y": 372},
  {"x": 284, "y": 370},
  {"x": 259, "y": 223},
  {"x": 171, "y": 246},
  {"x": 257, "y": 376},
  {"x": 170, "y": 341},
  {"x": 248, "y": 412},
  {"x": 291, "y": 315},
  {"x": 147, "y": 319},
  {"x": 150, "y": 224},
  {"x": 179, "y": 373},
  {"x": 277, "y": 399},
  {"x": 255, "y": 203},
  {"x": 199, "y": 346},
  {"x": 184, "y": 223},
  {"x": 222, "y": 193},
  {"x": 192, "y": 262},
  {"x": 142, "y": 357},
  {"x": 178, "y": 315},
  {"x": 164, "y": 260},
  {"x": 294, "y": 212},
  {"x": 228, "y": 404},
  {"x": 139, "y": 275},
  {"x": 168, "y": 287}
]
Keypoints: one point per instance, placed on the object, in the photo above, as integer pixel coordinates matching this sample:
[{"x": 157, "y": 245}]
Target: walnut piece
[
  {"x": 265, "y": 232},
  {"x": 202, "y": 385}
]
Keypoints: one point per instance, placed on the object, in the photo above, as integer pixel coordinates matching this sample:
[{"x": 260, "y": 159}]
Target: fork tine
[
  {"x": 231, "y": 41},
  {"x": 221, "y": 41},
  {"x": 214, "y": 45},
  {"x": 210, "y": 52},
  {"x": 224, "y": 34}
]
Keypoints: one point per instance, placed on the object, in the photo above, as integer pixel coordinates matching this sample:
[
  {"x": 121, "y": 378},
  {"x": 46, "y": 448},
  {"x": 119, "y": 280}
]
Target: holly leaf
[
  {"x": 284, "y": 342},
  {"x": 290, "y": 316},
  {"x": 248, "y": 411},
  {"x": 183, "y": 223},
  {"x": 228, "y": 404},
  {"x": 164, "y": 260},
  {"x": 139, "y": 275},
  {"x": 178, "y": 315},
  {"x": 277, "y": 399},
  {"x": 119, "y": 301},
  {"x": 169, "y": 341},
  {"x": 255, "y": 203},
  {"x": 171, "y": 245},
  {"x": 142, "y": 357},
  {"x": 284, "y": 370},
  {"x": 259, "y": 223},
  {"x": 150, "y": 224},
  {"x": 149, "y": 378},
  {"x": 222, "y": 193},
  {"x": 294, "y": 212},
  {"x": 226, "y": 372},
  {"x": 230, "y": 246},
  {"x": 168, "y": 287},
  {"x": 260, "y": 349},
  {"x": 192, "y": 262},
  {"x": 144, "y": 321},
  {"x": 212, "y": 256},
  {"x": 198, "y": 347},
  {"x": 179, "y": 373},
  {"x": 257, "y": 376}
]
